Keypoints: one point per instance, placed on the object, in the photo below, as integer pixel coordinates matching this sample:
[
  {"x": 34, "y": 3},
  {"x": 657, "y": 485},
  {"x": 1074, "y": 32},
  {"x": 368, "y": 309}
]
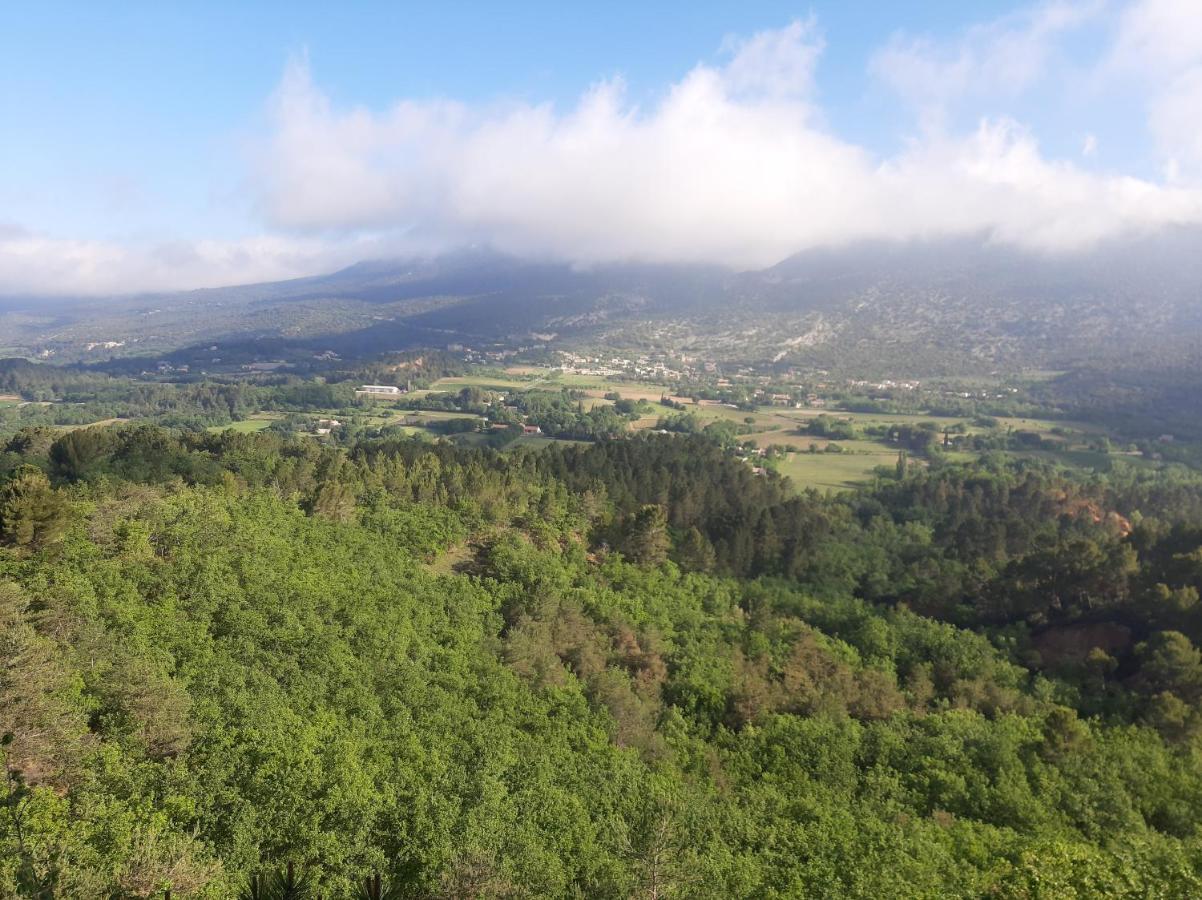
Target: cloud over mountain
[
  {"x": 737, "y": 162},
  {"x": 33, "y": 263},
  {"x": 734, "y": 164}
]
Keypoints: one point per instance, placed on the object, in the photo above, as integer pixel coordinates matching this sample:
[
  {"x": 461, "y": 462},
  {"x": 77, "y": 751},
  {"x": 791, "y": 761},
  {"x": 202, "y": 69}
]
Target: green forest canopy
[{"x": 630, "y": 669}]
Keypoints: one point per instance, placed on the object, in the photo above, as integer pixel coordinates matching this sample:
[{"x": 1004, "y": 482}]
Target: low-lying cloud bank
[
  {"x": 38, "y": 264},
  {"x": 735, "y": 164}
]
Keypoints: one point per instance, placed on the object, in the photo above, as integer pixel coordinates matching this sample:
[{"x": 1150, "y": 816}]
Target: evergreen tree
[
  {"x": 32, "y": 513},
  {"x": 645, "y": 539},
  {"x": 696, "y": 553}
]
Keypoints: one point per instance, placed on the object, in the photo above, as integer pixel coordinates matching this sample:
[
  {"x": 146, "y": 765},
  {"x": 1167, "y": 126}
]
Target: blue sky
[
  {"x": 165, "y": 145},
  {"x": 118, "y": 112}
]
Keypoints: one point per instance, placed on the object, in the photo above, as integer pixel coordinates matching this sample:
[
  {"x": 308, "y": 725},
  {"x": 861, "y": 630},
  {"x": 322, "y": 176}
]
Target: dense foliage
[{"x": 632, "y": 669}]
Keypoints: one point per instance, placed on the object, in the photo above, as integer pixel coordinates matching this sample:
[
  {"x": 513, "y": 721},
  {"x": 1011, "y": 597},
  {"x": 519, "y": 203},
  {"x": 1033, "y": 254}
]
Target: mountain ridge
[{"x": 956, "y": 303}]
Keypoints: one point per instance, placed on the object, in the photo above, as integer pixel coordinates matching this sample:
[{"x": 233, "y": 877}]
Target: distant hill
[
  {"x": 955, "y": 305},
  {"x": 922, "y": 308}
]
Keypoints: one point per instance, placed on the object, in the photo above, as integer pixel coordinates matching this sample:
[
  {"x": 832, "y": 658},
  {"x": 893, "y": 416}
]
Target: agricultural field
[
  {"x": 858, "y": 460},
  {"x": 249, "y": 425},
  {"x": 767, "y": 426},
  {"x": 538, "y": 442},
  {"x": 774, "y": 424},
  {"x": 484, "y": 382},
  {"x": 527, "y": 378},
  {"x": 834, "y": 471},
  {"x": 390, "y": 416},
  {"x": 99, "y": 423}
]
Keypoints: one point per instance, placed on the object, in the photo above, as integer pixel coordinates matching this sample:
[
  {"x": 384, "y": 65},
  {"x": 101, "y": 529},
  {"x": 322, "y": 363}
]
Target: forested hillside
[{"x": 632, "y": 669}]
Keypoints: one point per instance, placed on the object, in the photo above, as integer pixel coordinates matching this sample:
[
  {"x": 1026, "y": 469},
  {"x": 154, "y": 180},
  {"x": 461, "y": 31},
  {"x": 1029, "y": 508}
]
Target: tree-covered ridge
[{"x": 632, "y": 669}]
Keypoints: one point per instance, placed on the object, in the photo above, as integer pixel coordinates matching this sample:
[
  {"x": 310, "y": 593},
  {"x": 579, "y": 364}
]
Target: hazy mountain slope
[
  {"x": 936, "y": 306},
  {"x": 473, "y": 295},
  {"x": 948, "y": 306}
]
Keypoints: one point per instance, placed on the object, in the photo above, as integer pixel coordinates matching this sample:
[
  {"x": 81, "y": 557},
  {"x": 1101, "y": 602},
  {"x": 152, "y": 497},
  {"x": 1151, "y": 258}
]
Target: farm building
[{"x": 380, "y": 389}]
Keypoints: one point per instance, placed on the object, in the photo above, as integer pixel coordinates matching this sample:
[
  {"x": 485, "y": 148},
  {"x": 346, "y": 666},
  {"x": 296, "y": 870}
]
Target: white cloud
[
  {"x": 778, "y": 63},
  {"x": 1160, "y": 42},
  {"x": 704, "y": 175},
  {"x": 996, "y": 180},
  {"x": 1176, "y": 120},
  {"x": 1005, "y": 57},
  {"x": 1159, "y": 35},
  {"x": 39, "y": 264},
  {"x": 732, "y": 165}
]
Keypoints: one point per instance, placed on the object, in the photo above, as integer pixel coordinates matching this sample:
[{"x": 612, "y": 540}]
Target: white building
[{"x": 380, "y": 389}]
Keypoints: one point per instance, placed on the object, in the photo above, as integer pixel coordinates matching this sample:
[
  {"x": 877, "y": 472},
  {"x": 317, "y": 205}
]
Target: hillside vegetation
[{"x": 632, "y": 669}]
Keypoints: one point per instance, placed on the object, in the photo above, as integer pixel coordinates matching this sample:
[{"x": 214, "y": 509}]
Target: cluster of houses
[{"x": 527, "y": 430}]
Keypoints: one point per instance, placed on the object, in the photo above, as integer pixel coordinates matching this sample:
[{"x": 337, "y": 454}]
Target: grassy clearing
[
  {"x": 833, "y": 471},
  {"x": 786, "y": 438},
  {"x": 574, "y": 380},
  {"x": 526, "y": 378},
  {"x": 539, "y": 442},
  {"x": 421, "y": 418},
  {"x": 960, "y": 456},
  {"x": 485, "y": 382},
  {"x": 450, "y": 560},
  {"x": 249, "y": 425},
  {"x": 779, "y": 421},
  {"x": 855, "y": 465},
  {"x": 1083, "y": 458},
  {"x": 1044, "y": 426},
  {"x": 99, "y": 423},
  {"x": 649, "y": 392},
  {"x": 435, "y": 415}
]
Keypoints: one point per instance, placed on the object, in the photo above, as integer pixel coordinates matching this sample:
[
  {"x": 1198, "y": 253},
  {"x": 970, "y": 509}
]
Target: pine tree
[
  {"x": 696, "y": 552},
  {"x": 32, "y": 513},
  {"x": 645, "y": 536}
]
